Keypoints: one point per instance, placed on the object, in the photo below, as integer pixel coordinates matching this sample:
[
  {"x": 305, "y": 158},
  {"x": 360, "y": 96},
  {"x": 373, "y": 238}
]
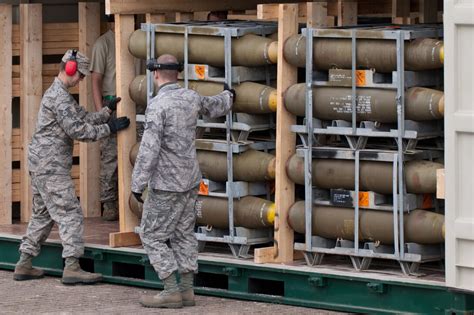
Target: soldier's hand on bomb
[
  {"x": 112, "y": 103},
  {"x": 227, "y": 88},
  {"x": 138, "y": 196},
  {"x": 117, "y": 124}
]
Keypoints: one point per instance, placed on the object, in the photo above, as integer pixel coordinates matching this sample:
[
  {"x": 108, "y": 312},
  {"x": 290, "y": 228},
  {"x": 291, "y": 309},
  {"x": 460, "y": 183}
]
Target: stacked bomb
[
  {"x": 421, "y": 226},
  {"x": 376, "y": 104},
  {"x": 250, "y": 212},
  {"x": 253, "y": 98},
  {"x": 249, "y": 51},
  {"x": 333, "y": 102}
]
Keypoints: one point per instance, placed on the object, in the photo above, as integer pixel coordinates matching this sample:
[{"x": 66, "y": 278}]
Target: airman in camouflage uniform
[
  {"x": 103, "y": 88},
  {"x": 166, "y": 163},
  {"x": 61, "y": 121}
]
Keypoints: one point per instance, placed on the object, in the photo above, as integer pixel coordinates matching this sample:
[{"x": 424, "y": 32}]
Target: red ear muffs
[{"x": 71, "y": 65}]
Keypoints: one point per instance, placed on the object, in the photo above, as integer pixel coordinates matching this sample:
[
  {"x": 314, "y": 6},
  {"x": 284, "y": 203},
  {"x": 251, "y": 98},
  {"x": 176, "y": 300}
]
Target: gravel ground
[{"x": 49, "y": 296}]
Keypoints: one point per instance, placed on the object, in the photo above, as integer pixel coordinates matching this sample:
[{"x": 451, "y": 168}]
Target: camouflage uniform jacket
[
  {"x": 167, "y": 156},
  {"x": 61, "y": 121}
]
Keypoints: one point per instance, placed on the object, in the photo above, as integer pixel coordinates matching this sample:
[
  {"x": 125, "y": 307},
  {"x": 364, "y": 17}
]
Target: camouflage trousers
[
  {"x": 170, "y": 216},
  {"x": 54, "y": 200},
  {"x": 108, "y": 169}
]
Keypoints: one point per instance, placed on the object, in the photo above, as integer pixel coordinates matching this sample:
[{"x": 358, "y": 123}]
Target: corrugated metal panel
[{"x": 459, "y": 93}]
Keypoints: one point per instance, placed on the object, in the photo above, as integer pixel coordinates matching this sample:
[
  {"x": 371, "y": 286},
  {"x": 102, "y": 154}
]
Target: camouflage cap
[{"x": 83, "y": 62}]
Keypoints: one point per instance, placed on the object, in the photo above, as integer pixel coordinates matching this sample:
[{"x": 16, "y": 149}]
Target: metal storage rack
[
  {"x": 409, "y": 255},
  {"x": 239, "y": 239}
]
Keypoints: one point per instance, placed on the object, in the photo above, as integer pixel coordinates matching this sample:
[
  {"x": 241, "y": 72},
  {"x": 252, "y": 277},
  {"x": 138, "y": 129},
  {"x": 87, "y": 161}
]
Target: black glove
[
  {"x": 117, "y": 124},
  {"x": 138, "y": 196},
  {"x": 112, "y": 103},
  {"x": 227, "y": 88}
]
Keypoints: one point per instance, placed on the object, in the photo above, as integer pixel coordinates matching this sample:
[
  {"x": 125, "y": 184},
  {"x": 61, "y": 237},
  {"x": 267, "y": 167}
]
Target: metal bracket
[
  {"x": 240, "y": 251},
  {"x": 231, "y": 271},
  {"x": 318, "y": 282},
  {"x": 144, "y": 260},
  {"x": 376, "y": 287},
  {"x": 360, "y": 264},
  {"x": 313, "y": 259}
]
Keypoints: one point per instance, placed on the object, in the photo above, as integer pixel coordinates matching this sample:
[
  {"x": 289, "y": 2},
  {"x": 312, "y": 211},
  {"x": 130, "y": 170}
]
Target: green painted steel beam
[{"x": 243, "y": 280}]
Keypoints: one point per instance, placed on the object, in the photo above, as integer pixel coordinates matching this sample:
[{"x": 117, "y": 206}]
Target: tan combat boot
[
  {"x": 110, "y": 211},
  {"x": 170, "y": 297},
  {"x": 24, "y": 269},
  {"x": 186, "y": 288},
  {"x": 73, "y": 274}
]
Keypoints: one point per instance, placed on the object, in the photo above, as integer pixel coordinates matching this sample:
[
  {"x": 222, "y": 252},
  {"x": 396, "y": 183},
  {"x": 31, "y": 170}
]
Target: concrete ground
[{"x": 49, "y": 296}]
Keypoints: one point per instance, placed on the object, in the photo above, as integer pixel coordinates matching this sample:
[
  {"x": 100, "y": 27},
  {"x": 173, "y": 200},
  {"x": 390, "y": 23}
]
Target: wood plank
[
  {"x": 244, "y": 17},
  {"x": 16, "y": 144},
  {"x": 16, "y": 193},
  {"x": 57, "y": 38},
  {"x": 364, "y": 8},
  {"x": 52, "y": 46},
  {"x": 440, "y": 183},
  {"x": 53, "y": 32},
  {"x": 268, "y": 254},
  {"x": 60, "y": 37},
  {"x": 124, "y": 239},
  {"x": 285, "y": 139},
  {"x": 400, "y": 11},
  {"x": 428, "y": 11},
  {"x": 155, "y": 18},
  {"x": 201, "y": 16},
  {"x": 16, "y": 155},
  {"x": 76, "y": 151},
  {"x": 52, "y": 50},
  {"x": 49, "y": 28},
  {"x": 346, "y": 12},
  {"x": 31, "y": 21},
  {"x": 89, "y": 31},
  {"x": 369, "y": 7},
  {"x": 160, "y": 6},
  {"x": 5, "y": 114},
  {"x": 49, "y": 69},
  {"x": 61, "y": 26},
  {"x": 125, "y": 73},
  {"x": 16, "y": 138},
  {"x": 184, "y": 16},
  {"x": 264, "y": 255},
  {"x": 270, "y": 11},
  {"x": 317, "y": 14},
  {"x": 16, "y": 88}
]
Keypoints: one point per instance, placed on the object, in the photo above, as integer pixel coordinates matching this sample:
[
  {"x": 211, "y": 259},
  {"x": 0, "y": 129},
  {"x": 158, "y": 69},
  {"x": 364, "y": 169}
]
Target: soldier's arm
[
  {"x": 76, "y": 127},
  {"x": 217, "y": 105},
  {"x": 147, "y": 157},
  {"x": 95, "y": 118},
  {"x": 96, "y": 79},
  {"x": 98, "y": 65}
]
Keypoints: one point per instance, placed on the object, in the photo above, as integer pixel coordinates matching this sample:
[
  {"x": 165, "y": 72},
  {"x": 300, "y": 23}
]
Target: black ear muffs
[
  {"x": 153, "y": 65},
  {"x": 71, "y": 65}
]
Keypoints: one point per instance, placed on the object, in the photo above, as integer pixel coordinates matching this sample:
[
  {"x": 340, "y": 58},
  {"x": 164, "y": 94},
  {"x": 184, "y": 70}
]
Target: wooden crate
[{"x": 29, "y": 80}]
